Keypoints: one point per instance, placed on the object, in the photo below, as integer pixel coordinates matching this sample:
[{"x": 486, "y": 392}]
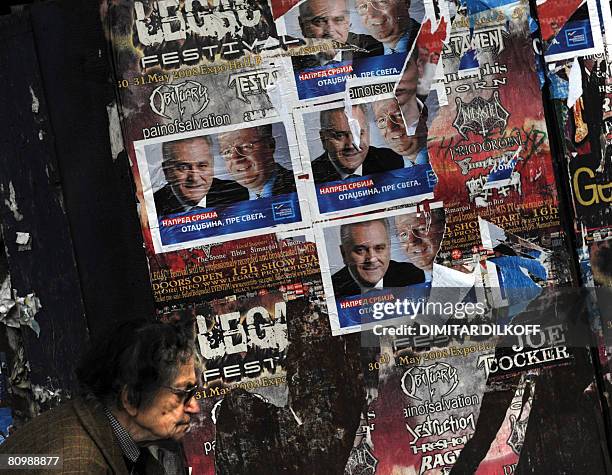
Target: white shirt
[
  {"x": 342, "y": 173},
  {"x": 186, "y": 206},
  {"x": 364, "y": 289},
  {"x": 337, "y": 58}
]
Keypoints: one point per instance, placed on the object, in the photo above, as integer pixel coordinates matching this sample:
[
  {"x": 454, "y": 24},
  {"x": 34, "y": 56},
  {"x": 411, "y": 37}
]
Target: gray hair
[
  {"x": 305, "y": 11},
  {"x": 325, "y": 115},
  {"x": 139, "y": 356},
  {"x": 346, "y": 236},
  {"x": 168, "y": 152}
]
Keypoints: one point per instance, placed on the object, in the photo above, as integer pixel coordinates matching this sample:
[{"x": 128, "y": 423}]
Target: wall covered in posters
[{"x": 390, "y": 163}]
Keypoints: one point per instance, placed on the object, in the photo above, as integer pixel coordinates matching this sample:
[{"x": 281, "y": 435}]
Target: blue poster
[
  {"x": 414, "y": 182},
  {"x": 227, "y": 220},
  {"x": 324, "y": 80}
]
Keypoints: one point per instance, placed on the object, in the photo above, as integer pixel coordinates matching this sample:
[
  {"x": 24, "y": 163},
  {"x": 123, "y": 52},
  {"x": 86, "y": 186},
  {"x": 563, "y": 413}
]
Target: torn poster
[
  {"x": 374, "y": 259},
  {"x": 570, "y": 28},
  {"x": 237, "y": 294},
  {"x": 345, "y": 178},
  {"x": 201, "y": 189},
  {"x": 423, "y": 408},
  {"x": 186, "y": 76},
  {"x": 488, "y": 147},
  {"x": 357, "y": 39}
]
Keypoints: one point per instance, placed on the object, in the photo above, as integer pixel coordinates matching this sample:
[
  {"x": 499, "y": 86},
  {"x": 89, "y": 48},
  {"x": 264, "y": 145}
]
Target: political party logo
[
  {"x": 576, "y": 36},
  {"x": 252, "y": 83},
  {"x": 430, "y": 383},
  {"x": 175, "y": 101},
  {"x": 283, "y": 210},
  {"x": 480, "y": 116}
]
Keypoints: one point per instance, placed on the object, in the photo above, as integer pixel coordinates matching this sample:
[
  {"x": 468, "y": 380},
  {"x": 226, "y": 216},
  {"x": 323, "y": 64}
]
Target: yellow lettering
[{"x": 579, "y": 197}]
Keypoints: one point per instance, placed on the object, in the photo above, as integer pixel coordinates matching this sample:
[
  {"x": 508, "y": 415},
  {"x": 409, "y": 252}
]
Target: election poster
[
  {"x": 570, "y": 28},
  {"x": 346, "y": 178},
  {"x": 350, "y": 40},
  {"x": 200, "y": 189},
  {"x": 370, "y": 150},
  {"x": 374, "y": 259}
]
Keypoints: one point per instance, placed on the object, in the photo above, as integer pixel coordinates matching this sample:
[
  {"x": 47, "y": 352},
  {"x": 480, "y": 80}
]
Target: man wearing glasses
[
  {"x": 390, "y": 123},
  {"x": 388, "y": 22},
  {"x": 188, "y": 167},
  {"x": 420, "y": 235},
  {"x": 138, "y": 385},
  {"x": 249, "y": 159},
  {"x": 366, "y": 253},
  {"x": 343, "y": 158},
  {"x": 328, "y": 19}
]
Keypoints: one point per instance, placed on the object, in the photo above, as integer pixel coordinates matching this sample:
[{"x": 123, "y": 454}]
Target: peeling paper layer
[
  {"x": 18, "y": 311},
  {"x": 575, "y": 84},
  {"x": 11, "y": 203},
  {"x": 114, "y": 129}
]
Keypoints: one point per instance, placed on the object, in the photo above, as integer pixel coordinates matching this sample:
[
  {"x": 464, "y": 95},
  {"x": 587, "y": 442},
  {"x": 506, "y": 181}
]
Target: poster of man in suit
[
  {"x": 352, "y": 165},
  {"x": 376, "y": 258},
  {"x": 202, "y": 188},
  {"x": 350, "y": 38}
]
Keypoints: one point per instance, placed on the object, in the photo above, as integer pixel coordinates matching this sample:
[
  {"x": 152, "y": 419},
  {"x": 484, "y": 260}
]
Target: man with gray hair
[
  {"x": 342, "y": 158},
  {"x": 188, "y": 167},
  {"x": 249, "y": 159},
  {"x": 390, "y": 123},
  {"x": 388, "y": 21},
  {"x": 138, "y": 384},
  {"x": 325, "y": 19},
  {"x": 366, "y": 252},
  {"x": 420, "y": 235}
]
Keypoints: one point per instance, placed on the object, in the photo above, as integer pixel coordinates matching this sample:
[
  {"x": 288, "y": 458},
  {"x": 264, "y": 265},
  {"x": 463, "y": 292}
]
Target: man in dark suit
[
  {"x": 324, "y": 19},
  {"x": 189, "y": 168},
  {"x": 420, "y": 235},
  {"x": 388, "y": 21},
  {"x": 366, "y": 253},
  {"x": 390, "y": 123},
  {"x": 249, "y": 159},
  {"x": 138, "y": 385},
  {"x": 342, "y": 158}
]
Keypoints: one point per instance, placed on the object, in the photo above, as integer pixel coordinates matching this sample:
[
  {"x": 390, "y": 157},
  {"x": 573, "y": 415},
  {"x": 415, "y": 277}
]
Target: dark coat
[
  {"x": 378, "y": 160},
  {"x": 284, "y": 183},
  {"x": 81, "y": 434},
  {"x": 364, "y": 47},
  {"x": 222, "y": 192},
  {"x": 399, "y": 274}
]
